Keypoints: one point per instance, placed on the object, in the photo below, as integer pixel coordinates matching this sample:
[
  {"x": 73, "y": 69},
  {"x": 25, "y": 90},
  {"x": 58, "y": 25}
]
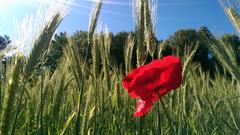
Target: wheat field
[{"x": 82, "y": 98}]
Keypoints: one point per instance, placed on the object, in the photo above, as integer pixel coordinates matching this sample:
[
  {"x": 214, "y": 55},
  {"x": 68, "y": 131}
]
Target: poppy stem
[
  {"x": 140, "y": 127},
  {"x": 165, "y": 111},
  {"x": 159, "y": 116}
]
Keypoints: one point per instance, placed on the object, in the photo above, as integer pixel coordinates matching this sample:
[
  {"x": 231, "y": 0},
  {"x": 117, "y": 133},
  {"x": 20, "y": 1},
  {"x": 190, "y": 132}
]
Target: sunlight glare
[{"x": 7, "y": 3}]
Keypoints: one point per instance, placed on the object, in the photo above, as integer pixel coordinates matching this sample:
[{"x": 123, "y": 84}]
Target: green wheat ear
[
  {"x": 224, "y": 52},
  {"x": 94, "y": 19},
  {"x": 93, "y": 41},
  {"x": 146, "y": 43},
  {"x": 149, "y": 31},
  {"x": 12, "y": 90},
  {"x": 41, "y": 45},
  {"x": 231, "y": 9},
  {"x": 59, "y": 99},
  {"x": 188, "y": 57},
  {"x": 106, "y": 59},
  {"x": 128, "y": 52},
  {"x": 141, "y": 44},
  {"x": 96, "y": 56}
]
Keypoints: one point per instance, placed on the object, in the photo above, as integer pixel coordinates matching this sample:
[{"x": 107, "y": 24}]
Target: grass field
[{"x": 79, "y": 98}]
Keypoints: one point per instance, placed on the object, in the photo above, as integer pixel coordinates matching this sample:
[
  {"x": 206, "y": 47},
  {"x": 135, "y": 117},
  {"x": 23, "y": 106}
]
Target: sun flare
[{"x": 6, "y": 3}]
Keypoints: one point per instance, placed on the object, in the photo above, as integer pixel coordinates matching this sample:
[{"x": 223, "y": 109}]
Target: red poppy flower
[{"x": 150, "y": 81}]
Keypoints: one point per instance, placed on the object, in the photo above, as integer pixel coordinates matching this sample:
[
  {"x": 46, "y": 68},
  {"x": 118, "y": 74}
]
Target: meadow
[{"x": 82, "y": 98}]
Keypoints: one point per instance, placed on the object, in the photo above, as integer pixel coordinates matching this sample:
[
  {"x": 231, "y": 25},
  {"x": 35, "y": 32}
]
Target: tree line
[{"x": 179, "y": 43}]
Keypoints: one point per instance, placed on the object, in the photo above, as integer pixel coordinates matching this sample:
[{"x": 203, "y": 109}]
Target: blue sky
[{"x": 117, "y": 15}]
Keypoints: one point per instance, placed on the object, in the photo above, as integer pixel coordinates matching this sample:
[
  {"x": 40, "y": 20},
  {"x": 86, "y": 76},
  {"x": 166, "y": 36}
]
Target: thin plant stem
[
  {"x": 165, "y": 111},
  {"x": 17, "y": 110},
  {"x": 140, "y": 126},
  {"x": 159, "y": 117},
  {"x": 41, "y": 103}
]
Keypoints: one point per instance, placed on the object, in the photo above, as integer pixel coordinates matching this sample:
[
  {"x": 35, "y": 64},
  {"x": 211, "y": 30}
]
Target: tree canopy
[{"x": 4, "y": 41}]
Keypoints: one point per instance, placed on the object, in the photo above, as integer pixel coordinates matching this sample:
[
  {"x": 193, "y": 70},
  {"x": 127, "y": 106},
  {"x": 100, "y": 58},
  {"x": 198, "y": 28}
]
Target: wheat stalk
[
  {"x": 41, "y": 45},
  {"x": 94, "y": 19},
  {"x": 13, "y": 88},
  {"x": 128, "y": 52},
  {"x": 141, "y": 44},
  {"x": 149, "y": 29}
]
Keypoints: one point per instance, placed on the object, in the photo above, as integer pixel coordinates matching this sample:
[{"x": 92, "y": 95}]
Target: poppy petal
[
  {"x": 143, "y": 107},
  {"x": 150, "y": 81},
  {"x": 171, "y": 78},
  {"x": 128, "y": 79},
  {"x": 133, "y": 94}
]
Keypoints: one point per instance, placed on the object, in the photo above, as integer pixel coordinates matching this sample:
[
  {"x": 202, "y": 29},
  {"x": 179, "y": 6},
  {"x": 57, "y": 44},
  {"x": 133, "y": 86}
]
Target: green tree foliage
[
  {"x": 180, "y": 43},
  {"x": 4, "y": 41},
  {"x": 119, "y": 41},
  {"x": 80, "y": 41},
  {"x": 184, "y": 40},
  {"x": 234, "y": 41},
  {"x": 203, "y": 54},
  {"x": 55, "y": 51}
]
